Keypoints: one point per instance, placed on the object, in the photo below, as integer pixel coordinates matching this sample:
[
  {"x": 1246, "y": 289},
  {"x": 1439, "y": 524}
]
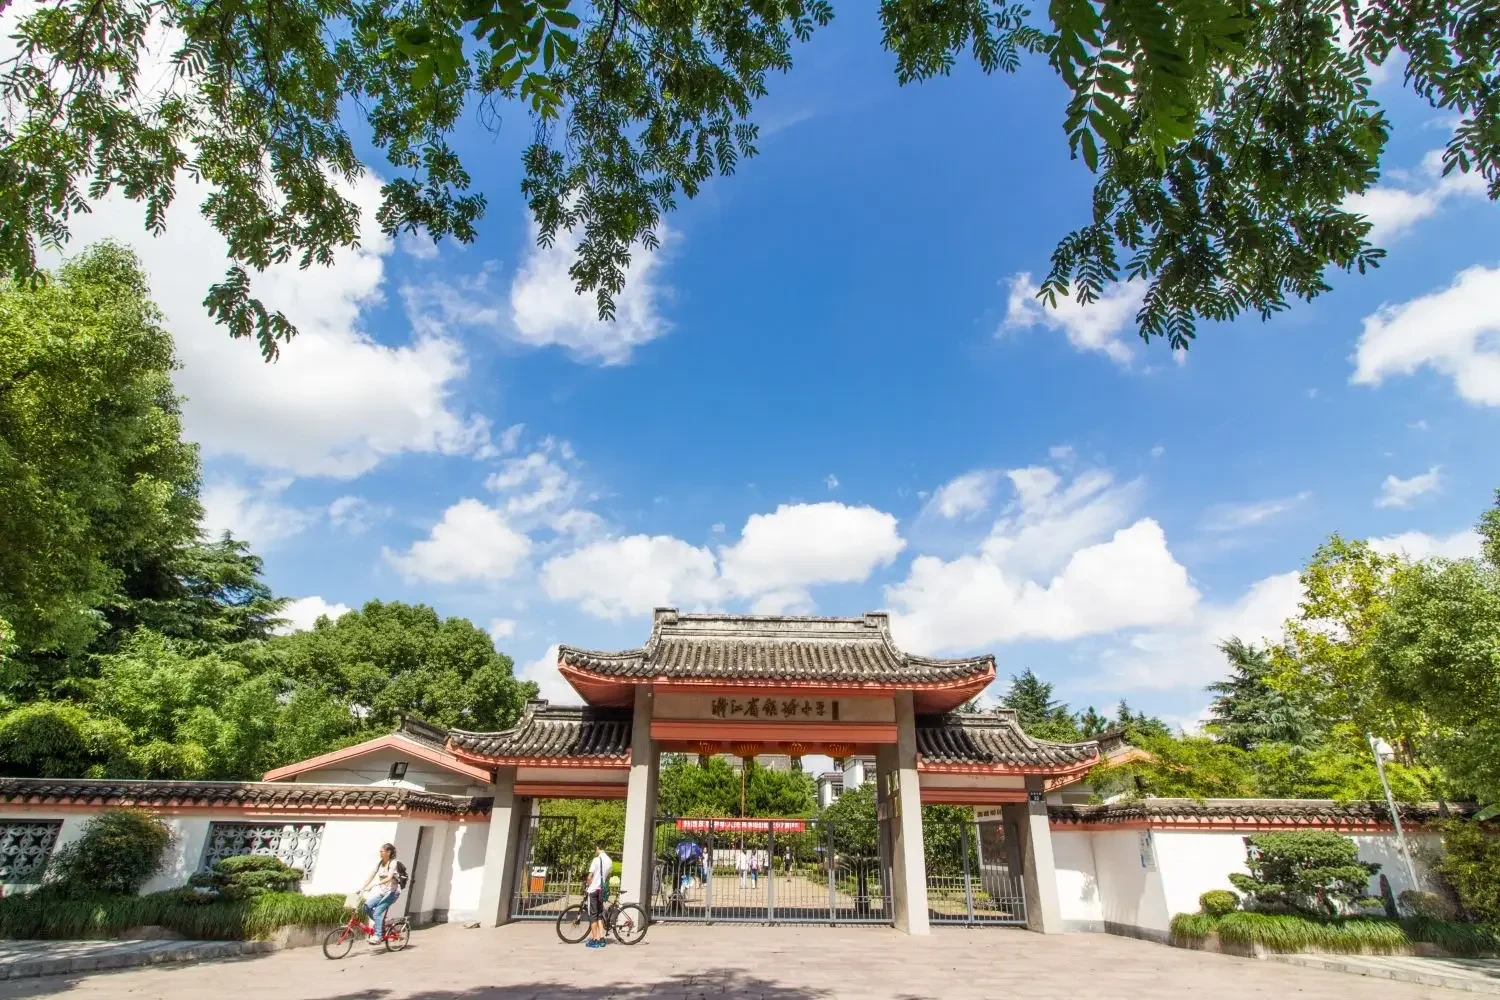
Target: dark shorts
[{"x": 594, "y": 903}]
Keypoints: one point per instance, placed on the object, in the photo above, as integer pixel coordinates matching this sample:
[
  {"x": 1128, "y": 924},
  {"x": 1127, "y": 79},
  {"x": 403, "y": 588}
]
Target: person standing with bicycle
[{"x": 594, "y": 890}]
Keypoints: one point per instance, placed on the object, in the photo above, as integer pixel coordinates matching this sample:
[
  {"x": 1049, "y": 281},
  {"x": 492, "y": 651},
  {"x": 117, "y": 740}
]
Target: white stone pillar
[
  {"x": 896, "y": 770},
  {"x": 1043, "y": 912},
  {"x": 640, "y": 805},
  {"x": 499, "y": 881}
]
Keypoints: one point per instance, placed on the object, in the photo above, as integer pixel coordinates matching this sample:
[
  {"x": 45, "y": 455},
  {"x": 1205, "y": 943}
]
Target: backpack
[{"x": 402, "y": 878}]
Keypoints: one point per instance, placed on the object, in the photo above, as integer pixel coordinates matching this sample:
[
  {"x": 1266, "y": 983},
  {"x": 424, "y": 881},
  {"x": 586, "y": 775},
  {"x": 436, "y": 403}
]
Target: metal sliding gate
[
  {"x": 973, "y": 875},
  {"x": 769, "y": 871},
  {"x": 551, "y": 862}
]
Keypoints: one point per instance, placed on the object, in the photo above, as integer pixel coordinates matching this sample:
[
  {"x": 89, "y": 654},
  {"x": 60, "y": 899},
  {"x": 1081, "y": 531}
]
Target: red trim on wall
[
  {"x": 569, "y": 790},
  {"x": 391, "y": 741},
  {"x": 53, "y": 808},
  {"x": 1202, "y": 825},
  {"x": 930, "y": 767},
  {"x": 971, "y": 796},
  {"x": 570, "y": 762}
]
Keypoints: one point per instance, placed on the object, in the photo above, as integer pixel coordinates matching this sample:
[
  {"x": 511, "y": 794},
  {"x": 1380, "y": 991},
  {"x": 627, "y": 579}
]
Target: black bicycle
[{"x": 626, "y": 921}]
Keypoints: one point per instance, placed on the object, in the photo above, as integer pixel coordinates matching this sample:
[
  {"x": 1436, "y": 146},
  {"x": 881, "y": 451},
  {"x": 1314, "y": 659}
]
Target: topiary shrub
[
  {"x": 1217, "y": 902},
  {"x": 1309, "y": 870},
  {"x": 1471, "y": 866},
  {"x": 1426, "y": 904},
  {"x": 117, "y": 854},
  {"x": 245, "y": 876}
]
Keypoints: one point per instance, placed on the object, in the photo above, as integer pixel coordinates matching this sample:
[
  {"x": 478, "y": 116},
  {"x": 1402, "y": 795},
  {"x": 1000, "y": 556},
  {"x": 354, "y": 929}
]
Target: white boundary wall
[{"x": 1109, "y": 880}]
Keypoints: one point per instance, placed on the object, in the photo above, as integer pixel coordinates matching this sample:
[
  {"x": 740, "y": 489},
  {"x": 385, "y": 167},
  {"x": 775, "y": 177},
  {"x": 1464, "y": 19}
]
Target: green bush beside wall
[{"x": 53, "y": 915}]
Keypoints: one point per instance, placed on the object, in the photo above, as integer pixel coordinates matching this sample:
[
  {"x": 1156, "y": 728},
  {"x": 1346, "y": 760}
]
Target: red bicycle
[{"x": 340, "y": 941}]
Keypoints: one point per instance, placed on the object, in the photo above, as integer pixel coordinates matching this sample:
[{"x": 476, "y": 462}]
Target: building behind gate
[{"x": 463, "y": 806}]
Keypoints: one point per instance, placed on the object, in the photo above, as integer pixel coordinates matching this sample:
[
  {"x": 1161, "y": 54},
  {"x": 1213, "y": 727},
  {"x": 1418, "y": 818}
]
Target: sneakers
[
  {"x": 595, "y": 944},
  {"x": 373, "y": 940}
]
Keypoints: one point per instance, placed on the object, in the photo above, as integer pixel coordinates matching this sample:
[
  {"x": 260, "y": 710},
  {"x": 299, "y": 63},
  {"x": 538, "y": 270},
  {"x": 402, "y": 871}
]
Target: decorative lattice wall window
[
  {"x": 25, "y": 848},
  {"x": 294, "y": 843}
]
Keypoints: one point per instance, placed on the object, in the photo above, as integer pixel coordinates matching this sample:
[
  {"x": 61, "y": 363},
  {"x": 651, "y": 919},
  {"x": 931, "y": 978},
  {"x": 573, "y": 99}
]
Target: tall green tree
[
  {"x": 1436, "y": 648},
  {"x": 1039, "y": 713},
  {"x": 1248, "y": 711},
  {"x": 1224, "y": 135},
  {"x": 94, "y": 475},
  {"x": 390, "y": 659}
]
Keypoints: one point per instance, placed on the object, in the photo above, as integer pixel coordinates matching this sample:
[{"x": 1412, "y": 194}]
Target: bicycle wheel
[
  {"x": 572, "y": 924},
  {"x": 630, "y": 924},
  {"x": 337, "y": 942},
  {"x": 398, "y": 937}
]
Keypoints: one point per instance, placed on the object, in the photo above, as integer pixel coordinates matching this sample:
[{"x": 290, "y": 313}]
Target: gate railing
[
  {"x": 981, "y": 892},
  {"x": 548, "y": 868},
  {"x": 767, "y": 871}
]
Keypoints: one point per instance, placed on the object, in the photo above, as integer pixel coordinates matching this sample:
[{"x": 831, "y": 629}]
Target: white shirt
[{"x": 599, "y": 870}]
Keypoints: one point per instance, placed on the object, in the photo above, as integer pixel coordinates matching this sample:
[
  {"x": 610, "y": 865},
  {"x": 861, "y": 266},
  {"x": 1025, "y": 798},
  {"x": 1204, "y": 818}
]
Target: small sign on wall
[
  {"x": 1148, "y": 851},
  {"x": 1036, "y": 797}
]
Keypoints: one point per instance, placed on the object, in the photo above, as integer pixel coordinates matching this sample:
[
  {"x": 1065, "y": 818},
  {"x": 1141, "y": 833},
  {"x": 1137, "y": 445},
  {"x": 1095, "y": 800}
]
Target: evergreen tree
[
  {"x": 1248, "y": 711},
  {"x": 1039, "y": 713}
]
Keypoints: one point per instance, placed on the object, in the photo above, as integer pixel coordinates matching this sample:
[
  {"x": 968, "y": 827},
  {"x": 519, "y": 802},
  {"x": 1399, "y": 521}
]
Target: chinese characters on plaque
[{"x": 775, "y": 708}]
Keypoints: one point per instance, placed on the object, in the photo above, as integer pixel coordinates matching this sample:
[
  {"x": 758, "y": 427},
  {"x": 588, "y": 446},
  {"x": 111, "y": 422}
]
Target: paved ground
[
  {"x": 524, "y": 961},
  {"x": 1469, "y": 974},
  {"x": 42, "y": 958}
]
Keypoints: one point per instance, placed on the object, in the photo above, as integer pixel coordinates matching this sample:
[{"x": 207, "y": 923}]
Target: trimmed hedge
[
  {"x": 1290, "y": 932},
  {"x": 53, "y": 915}
]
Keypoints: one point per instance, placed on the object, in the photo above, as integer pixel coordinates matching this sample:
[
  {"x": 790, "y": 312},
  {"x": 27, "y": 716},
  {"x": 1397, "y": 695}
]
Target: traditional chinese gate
[
  {"x": 553, "y": 861},
  {"x": 801, "y": 871},
  {"x": 973, "y": 875}
]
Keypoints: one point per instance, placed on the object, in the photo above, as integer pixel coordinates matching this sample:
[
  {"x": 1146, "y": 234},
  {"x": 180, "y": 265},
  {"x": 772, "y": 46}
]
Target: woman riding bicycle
[{"x": 386, "y": 878}]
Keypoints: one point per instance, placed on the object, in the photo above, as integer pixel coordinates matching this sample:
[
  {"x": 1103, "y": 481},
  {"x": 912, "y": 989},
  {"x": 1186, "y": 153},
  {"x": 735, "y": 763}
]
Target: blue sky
[{"x": 831, "y": 391}]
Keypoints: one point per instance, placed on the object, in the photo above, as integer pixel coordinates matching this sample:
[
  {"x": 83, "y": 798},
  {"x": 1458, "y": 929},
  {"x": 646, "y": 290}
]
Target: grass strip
[
  {"x": 44, "y": 915},
  {"x": 1289, "y": 932}
]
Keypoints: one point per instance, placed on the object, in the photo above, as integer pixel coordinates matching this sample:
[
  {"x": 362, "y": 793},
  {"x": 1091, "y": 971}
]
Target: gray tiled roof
[
  {"x": 546, "y": 731},
  {"x": 1310, "y": 811},
  {"x": 992, "y": 738},
  {"x": 233, "y": 794},
  {"x": 750, "y": 647},
  {"x": 422, "y": 731}
]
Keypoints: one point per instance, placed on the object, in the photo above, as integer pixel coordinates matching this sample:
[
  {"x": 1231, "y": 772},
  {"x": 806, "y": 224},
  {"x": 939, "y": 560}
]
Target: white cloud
[
  {"x": 502, "y": 628},
  {"x": 1238, "y": 516},
  {"x": 1398, "y": 492},
  {"x": 1393, "y": 210},
  {"x": 804, "y": 544},
  {"x": 1187, "y": 655},
  {"x": 1129, "y": 581},
  {"x": 303, "y": 613},
  {"x": 1098, "y": 326},
  {"x": 1420, "y": 545},
  {"x": 1064, "y": 560},
  {"x": 1158, "y": 451},
  {"x": 545, "y": 309},
  {"x": 549, "y": 682},
  {"x": 337, "y": 402},
  {"x": 355, "y": 515},
  {"x": 832, "y": 482},
  {"x": 717, "y": 528},
  {"x": 471, "y": 542},
  {"x": 1455, "y": 331},
  {"x": 776, "y": 559},
  {"x": 252, "y": 513},
  {"x": 965, "y": 495},
  {"x": 510, "y": 438},
  {"x": 1061, "y": 453},
  {"x": 619, "y": 577}
]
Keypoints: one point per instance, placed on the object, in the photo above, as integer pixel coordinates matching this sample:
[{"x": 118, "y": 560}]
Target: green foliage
[
  {"x": 61, "y": 740},
  {"x": 1218, "y": 902},
  {"x": 94, "y": 476},
  {"x": 688, "y": 788},
  {"x": 1303, "y": 869},
  {"x": 46, "y": 914},
  {"x": 1039, "y": 713},
  {"x": 1248, "y": 711},
  {"x": 396, "y": 659},
  {"x": 1433, "y": 649},
  {"x": 778, "y": 793},
  {"x": 566, "y": 843},
  {"x": 852, "y": 815},
  {"x": 945, "y": 830},
  {"x": 117, "y": 853},
  {"x": 247, "y": 875},
  {"x": 1292, "y": 932},
  {"x": 1218, "y": 203},
  {"x": 1470, "y": 863}
]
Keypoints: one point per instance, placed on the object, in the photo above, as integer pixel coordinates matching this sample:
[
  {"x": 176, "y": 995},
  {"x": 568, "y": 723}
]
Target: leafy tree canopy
[
  {"x": 94, "y": 475},
  {"x": 1223, "y": 134},
  {"x": 390, "y": 659},
  {"x": 1249, "y": 711}
]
